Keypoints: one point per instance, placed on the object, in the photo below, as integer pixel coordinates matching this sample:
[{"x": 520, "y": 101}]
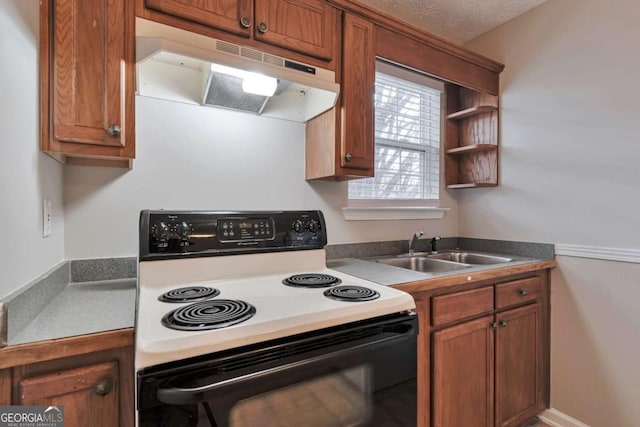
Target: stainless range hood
[{"x": 181, "y": 66}]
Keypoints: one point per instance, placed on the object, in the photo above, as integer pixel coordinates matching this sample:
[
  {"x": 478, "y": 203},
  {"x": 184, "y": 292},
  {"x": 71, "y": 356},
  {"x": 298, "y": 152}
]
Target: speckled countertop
[
  {"x": 353, "y": 260},
  {"x": 73, "y": 298},
  {"x": 391, "y": 276},
  {"x": 83, "y": 308},
  {"x": 413, "y": 281},
  {"x": 88, "y": 296}
]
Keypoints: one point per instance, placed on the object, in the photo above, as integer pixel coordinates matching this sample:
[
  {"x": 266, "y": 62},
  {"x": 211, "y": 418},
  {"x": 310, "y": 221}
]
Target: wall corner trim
[
  {"x": 597, "y": 252},
  {"x": 555, "y": 418}
]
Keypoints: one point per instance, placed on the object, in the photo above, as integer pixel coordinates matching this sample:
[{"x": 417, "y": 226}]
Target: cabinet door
[
  {"x": 518, "y": 365},
  {"x": 233, "y": 16},
  {"x": 89, "y": 394},
  {"x": 303, "y": 26},
  {"x": 462, "y": 375},
  {"x": 88, "y": 47},
  {"x": 358, "y": 80},
  {"x": 87, "y": 64}
]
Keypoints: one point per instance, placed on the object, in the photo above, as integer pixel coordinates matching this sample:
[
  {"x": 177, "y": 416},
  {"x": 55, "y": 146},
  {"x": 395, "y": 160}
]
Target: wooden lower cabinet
[
  {"x": 463, "y": 371},
  {"x": 95, "y": 388},
  {"x": 519, "y": 359},
  {"x": 89, "y": 394},
  {"x": 486, "y": 363}
]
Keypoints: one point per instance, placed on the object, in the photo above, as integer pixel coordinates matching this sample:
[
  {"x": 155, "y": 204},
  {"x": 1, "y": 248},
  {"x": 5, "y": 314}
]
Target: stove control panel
[
  {"x": 176, "y": 234},
  {"x": 243, "y": 229}
]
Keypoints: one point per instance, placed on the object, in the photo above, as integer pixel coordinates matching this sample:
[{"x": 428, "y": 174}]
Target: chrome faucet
[
  {"x": 433, "y": 242},
  {"x": 413, "y": 241}
]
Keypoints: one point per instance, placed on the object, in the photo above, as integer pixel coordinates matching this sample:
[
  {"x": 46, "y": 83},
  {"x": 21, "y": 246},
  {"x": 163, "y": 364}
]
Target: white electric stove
[
  {"x": 211, "y": 283},
  {"x": 256, "y": 279}
]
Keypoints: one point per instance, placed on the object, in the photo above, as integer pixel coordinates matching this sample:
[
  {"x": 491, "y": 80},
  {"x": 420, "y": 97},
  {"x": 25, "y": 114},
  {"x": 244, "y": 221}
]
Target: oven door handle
[{"x": 191, "y": 395}]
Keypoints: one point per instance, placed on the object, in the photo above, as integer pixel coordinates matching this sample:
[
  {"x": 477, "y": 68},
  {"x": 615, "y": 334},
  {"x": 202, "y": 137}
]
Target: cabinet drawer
[
  {"x": 518, "y": 292},
  {"x": 449, "y": 308}
]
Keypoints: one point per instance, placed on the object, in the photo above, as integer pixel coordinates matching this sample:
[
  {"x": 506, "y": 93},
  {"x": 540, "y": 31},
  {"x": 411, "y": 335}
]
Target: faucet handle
[
  {"x": 418, "y": 234},
  {"x": 432, "y": 242}
]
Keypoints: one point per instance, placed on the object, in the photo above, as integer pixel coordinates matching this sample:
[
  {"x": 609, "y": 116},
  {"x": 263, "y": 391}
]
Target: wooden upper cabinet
[
  {"x": 87, "y": 78},
  {"x": 358, "y": 82},
  {"x": 303, "y": 26},
  {"x": 340, "y": 143},
  {"x": 233, "y": 16},
  {"x": 89, "y": 394},
  {"x": 519, "y": 373},
  {"x": 462, "y": 375},
  {"x": 306, "y": 27}
]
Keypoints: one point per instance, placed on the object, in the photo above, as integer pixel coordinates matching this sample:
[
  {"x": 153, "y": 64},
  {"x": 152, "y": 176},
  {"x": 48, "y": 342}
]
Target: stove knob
[
  {"x": 313, "y": 226},
  {"x": 183, "y": 230},
  {"x": 161, "y": 231},
  {"x": 297, "y": 226}
]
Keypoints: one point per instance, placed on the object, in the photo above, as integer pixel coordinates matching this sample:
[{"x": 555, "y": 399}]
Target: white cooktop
[{"x": 256, "y": 279}]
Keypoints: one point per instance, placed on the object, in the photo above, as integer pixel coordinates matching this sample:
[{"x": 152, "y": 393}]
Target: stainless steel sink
[
  {"x": 470, "y": 258},
  {"x": 422, "y": 264}
]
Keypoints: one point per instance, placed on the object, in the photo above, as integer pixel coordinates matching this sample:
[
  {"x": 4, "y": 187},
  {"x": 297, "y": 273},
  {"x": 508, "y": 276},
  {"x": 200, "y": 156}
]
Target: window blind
[{"x": 407, "y": 137}]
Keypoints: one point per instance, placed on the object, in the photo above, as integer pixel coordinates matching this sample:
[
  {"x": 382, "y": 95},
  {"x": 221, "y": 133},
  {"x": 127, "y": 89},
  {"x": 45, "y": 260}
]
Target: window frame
[{"x": 418, "y": 77}]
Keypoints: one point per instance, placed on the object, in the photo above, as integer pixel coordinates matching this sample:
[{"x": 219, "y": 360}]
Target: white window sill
[{"x": 371, "y": 213}]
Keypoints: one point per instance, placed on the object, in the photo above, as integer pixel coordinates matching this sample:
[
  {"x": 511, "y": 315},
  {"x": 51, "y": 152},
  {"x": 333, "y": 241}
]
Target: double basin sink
[{"x": 441, "y": 262}]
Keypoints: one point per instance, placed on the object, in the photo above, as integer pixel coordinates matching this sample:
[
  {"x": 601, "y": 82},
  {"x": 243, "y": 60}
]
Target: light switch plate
[{"x": 46, "y": 217}]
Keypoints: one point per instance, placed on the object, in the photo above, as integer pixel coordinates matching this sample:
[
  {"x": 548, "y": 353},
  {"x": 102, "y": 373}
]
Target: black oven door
[{"x": 361, "y": 374}]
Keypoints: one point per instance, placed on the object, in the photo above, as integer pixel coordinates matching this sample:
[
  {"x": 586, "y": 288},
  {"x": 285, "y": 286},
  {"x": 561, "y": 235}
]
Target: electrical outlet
[{"x": 46, "y": 217}]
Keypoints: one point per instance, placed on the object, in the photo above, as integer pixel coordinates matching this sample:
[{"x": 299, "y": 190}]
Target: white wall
[
  {"x": 570, "y": 137},
  {"x": 570, "y": 133},
  {"x": 191, "y": 157},
  {"x": 595, "y": 346},
  {"x": 26, "y": 174}
]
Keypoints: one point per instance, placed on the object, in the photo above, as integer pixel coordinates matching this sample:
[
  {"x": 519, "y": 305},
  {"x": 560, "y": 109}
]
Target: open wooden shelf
[
  {"x": 473, "y": 111},
  {"x": 472, "y": 148},
  {"x": 473, "y": 185},
  {"x": 471, "y": 143}
]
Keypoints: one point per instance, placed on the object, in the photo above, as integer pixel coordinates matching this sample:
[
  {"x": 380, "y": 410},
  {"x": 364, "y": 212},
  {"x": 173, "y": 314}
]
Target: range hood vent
[{"x": 181, "y": 66}]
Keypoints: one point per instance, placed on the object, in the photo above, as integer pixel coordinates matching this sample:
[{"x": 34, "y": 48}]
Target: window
[{"x": 407, "y": 137}]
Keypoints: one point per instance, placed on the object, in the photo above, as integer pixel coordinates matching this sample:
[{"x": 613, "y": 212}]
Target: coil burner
[
  {"x": 212, "y": 314},
  {"x": 351, "y": 293}
]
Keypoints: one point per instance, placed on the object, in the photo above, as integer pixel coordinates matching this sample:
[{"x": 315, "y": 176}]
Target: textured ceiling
[{"x": 455, "y": 20}]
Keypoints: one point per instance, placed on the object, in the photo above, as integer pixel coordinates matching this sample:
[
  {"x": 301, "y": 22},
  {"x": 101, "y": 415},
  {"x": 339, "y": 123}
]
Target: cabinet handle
[
  {"x": 114, "y": 130},
  {"x": 245, "y": 22},
  {"x": 494, "y": 325},
  {"x": 523, "y": 292},
  {"x": 503, "y": 324},
  {"x": 262, "y": 27},
  {"x": 104, "y": 387},
  {"x": 348, "y": 157}
]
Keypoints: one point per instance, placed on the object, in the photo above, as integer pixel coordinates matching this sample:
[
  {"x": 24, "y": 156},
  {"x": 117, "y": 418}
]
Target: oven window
[{"x": 338, "y": 400}]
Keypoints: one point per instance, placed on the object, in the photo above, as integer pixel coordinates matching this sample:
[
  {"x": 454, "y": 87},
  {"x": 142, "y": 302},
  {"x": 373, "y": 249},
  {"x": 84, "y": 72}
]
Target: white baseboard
[
  {"x": 555, "y": 418},
  {"x": 597, "y": 252}
]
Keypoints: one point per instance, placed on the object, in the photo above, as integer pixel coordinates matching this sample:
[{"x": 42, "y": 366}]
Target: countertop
[
  {"x": 83, "y": 308},
  {"x": 413, "y": 281},
  {"x": 85, "y": 297}
]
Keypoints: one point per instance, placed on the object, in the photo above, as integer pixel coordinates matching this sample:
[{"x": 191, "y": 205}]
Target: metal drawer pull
[
  {"x": 104, "y": 387},
  {"x": 503, "y": 324},
  {"x": 348, "y": 157},
  {"x": 114, "y": 130},
  {"x": 262, "y": 27},
  {"x": 245, "y": 22},
  {"x": 523, "y": 292}
]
